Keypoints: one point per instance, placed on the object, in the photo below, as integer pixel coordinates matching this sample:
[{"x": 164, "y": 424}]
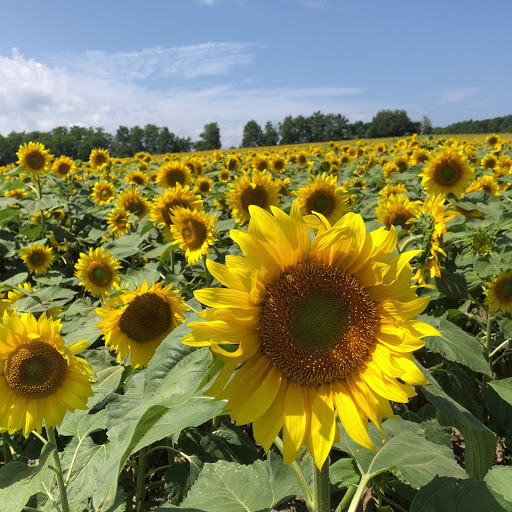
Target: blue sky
[{"x": 185, "y": 63}]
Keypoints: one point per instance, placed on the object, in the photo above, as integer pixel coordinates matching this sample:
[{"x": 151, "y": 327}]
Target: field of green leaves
[{"x": 320, "y": 327}]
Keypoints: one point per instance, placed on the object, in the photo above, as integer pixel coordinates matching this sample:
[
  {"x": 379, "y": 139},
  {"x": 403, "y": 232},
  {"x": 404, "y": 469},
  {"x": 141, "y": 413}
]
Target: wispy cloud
[
  {"x": 457, "y": 94},
  {"x": 37, "y": 96}
]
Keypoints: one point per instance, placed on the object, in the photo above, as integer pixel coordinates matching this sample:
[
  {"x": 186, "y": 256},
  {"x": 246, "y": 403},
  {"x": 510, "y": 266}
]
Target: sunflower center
[
  {"x": 35, "y": 258},
  {"x": 147, "y": 317},
  {"x": 101, "y": 159},
  {"x": 506, "y": 290},
  {"x": 104, "y": 194},
  {"x": 35, "y": 369},
  {"x": 64, "y": 168},
  {"x": 100, "y": 273},
  {"x": 400, "y": 220},
  {"x": 36, "y": 161},
  {"x": 173, "y": 178},
  {"x": 317, "y": 323},
  {"x": 448, "y": 174},
  {"x": 320, "y": 202},
  {"x": 193, "y": 233},
  {"x": 256, "y": 196}
]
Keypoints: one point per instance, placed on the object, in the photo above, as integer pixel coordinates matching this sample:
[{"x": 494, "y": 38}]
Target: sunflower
[
  {"x": 38, "y": 258},
  {"x": 57, "y": 215},
  {"x": 137, "y": 178},
  {"x": 137, "y": 321},
  {"x": 232, "y": 162},
  {"x": 103, "y": 192},
  {"x": 41, "y": 377},
  {"x": 173, "y": 198},
  {"x": 34, "y": 158},
  {"x": 282, "y": 185},
  {"x": 499, "y": 293},
  {"x": 314, "y": 328},
  {"x": 487, "y": 183},
  {"x": 261, "y": 163},
  {"x": 133, "y": 201},
  {"x": 203, "y": 185},
  {"x": 118, "y": 221},
  {"x": 245, "y": 191},
  {"x": 224, "y": 176},
  {"x": 99, "y": 159},
  {"x": 393, "y": 189},
  {"x": 322, "y": 195},
  {"x": 61, "y": 244},
  {"x": 63, "y": 167},
  {"x": 396, "y": 210},
  {"x": 489, "y": 161},
  {"x": 448, "y": 172},
  {"x": 18, "y": 193},
  {"x": 492, "y": 139},
  {"x": 173, "y": 173},
  {"x": 97, "y": 271},
  {"x": 277, "y": 164},
  {"x": 194, "y": 232},
  {"x": 481, "y": 242}
]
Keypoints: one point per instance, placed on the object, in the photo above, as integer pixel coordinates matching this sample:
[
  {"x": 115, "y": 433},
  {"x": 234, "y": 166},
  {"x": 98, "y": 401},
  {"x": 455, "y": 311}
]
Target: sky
[{"x": 186, "y": 63}]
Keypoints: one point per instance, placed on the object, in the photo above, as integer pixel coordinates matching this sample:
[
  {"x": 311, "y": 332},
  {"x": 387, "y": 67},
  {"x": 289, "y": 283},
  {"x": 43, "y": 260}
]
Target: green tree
[
  {"x": 209, "y": 138},
  {"x": 253, "y": 135},
  {"x": 426, "y": 126},
  {"x": 122, "y": 147},
  {"x": 391, "y": 123},
  {"x": 151, "y": 134},
  {"x": 136, "y": 139},
  {"x": 287, "y": 131},
  {"x": 270, "y": 135},
  {"x": 167, "y": 142}
]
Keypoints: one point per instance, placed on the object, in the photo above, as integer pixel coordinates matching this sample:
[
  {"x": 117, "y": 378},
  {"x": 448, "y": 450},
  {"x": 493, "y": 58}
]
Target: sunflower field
[{"x": 317, "y": 327}]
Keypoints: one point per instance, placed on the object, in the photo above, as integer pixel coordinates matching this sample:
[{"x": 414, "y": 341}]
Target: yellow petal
[
  {"x": 322, "y": 425},
  {"x": 294, "y": 427}
]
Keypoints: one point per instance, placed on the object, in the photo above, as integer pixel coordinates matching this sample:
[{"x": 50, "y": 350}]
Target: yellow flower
[
  {"x": 97, "y": 271},
  {"x": 224, "y": 175},
  {"x": 194, "y": 232},
  {"x": 99, "y": 159},
  {"x": 245, "y": 191},
  {"x": 136, "y": 322},
  {"x": 38, "y": 258},
  {"x": 118, "y": 221},
  {"x": 34, "y": 158},
  {"x": 396, "y": 210},
  {"x": 133, "y": 202},
  {"x": 393, "y": 189},
  {"x": 63, "y": 166},
  {"x": 103, "y": 192},
  {"x": 203, "y": 185},
  {"x": 173, "y": 173},
  {"x": 487, "y": 183},
  {"x": 137, "y": 178},
  {"x": 499, "y": 293},
  {"x": 18, "y": 193},
  {"x": 314, "y": 329},
  {"x": 41, "y": 377},
  {"x": 448, "y": 172},
  {"x": 322, "y": 195}
]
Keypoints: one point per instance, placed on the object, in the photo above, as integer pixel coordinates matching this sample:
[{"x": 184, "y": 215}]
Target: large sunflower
[
  {"x": 448, "y": 172},
  {"x": 194, "y": 232},
  {"x": 316, "y": 325},
  {"x": 133, "y": 201},
  {"x": 103, "y": 192},
  {"x": 137, "y": 321},
  {"x": 203, "y": 185},
  {"x": 63, "y": 166},
  {"x": 38, "y": 258},
  {"x": 174, "y": 197},
  {"x": 97, "y": 271},
  {"x": 99, "y": 158},
  {"x": 171, "y": 174},
  {"x": 323, "y": 195},
  {"x": 118, "y": 221},
  {"x": 245, "y": 191},
  {"x": 499, "y": 293},
  {"x": 41, "y": 377},
  {"x": 34, "y": 158}
]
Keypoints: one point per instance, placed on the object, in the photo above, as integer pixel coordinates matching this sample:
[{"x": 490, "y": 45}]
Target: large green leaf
[
  {"x": 504, "y": 388},
  {"x": 231, "y": 487},
  {"x": 499, "y": 481},
  {"x": 459, "y": 346},
  {"x": 18, "y": 481},
  {"x": 445, "y": 494},
  {"x": 479, "y": 440}
]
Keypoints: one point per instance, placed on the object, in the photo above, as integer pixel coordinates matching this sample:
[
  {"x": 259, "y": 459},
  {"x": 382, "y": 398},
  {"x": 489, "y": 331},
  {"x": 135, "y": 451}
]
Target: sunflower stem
[
  {"x": 365, "y": 479},
  {"x": 141, "y": 479},
  {"x": 346, "y": 498},
  {"x": 40, "y": 189},
  {"x": 299, "y": 475},
  {"x": 409, "y": 241},
  {"x": 60, "y": 479},
  {"x": 488, "y": 345},
  {"x": 321, "y": 488}
]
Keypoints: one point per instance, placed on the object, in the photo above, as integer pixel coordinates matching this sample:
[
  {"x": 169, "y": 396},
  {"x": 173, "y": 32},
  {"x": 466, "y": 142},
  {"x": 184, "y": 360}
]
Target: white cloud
[
  {"x": 36, "y": 96},
  {"x": 457, "y": 94}
]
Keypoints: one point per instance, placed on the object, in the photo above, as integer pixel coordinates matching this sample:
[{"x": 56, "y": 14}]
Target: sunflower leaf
[{"x": 504, "y": 388}]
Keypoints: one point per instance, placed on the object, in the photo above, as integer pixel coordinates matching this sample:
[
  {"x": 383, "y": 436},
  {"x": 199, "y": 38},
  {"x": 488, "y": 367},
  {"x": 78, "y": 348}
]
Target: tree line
[{"x": 77, "y": 142}]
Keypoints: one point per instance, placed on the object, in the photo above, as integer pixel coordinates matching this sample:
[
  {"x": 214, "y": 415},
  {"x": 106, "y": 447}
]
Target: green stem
[
  {"x": 346, "y": 499},
  {"x": 499, "y": 347},
  {"x": 40, "y": 188},
  {"x": 394, "y": 503},
  {"x": 365, "y": 479},
  {"x": 306, "y": 491},
  {"x": 409, "y": 241},
  {"x": 321, "y": 488},
  {"x": 58, "y": 470},
  {"x": 171, "y": 261},
  {"x": 6, "y": 448},
  {"x": 141, "y": 479},
  {"x": 488, "y": 345}
]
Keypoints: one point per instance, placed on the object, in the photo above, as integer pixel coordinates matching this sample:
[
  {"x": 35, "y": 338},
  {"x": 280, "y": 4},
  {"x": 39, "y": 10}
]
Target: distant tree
[
  {"x": 122, "y": 147},
  {"x": 336, "y": 127},
  {"x": 357, "y": 130},
  {"x": 253, "y": 135},
  {"x": 167, "y": 142},
  {"x": 94, "y": 138},
  {"x": 391, "y": 123},
  {"x": 209, "y": 138},
  {"x": 270, "y": 135},
  {"x": 426, "y": 126},
  {"x": 287, "y": 131},
  {"x": 184, "y": 144},
  {"x": 317, "y": 128},
  {"x": 9, "y": 146},
  {"x": 136, "y": 138},
  {"x": 151, "y": 133}
]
